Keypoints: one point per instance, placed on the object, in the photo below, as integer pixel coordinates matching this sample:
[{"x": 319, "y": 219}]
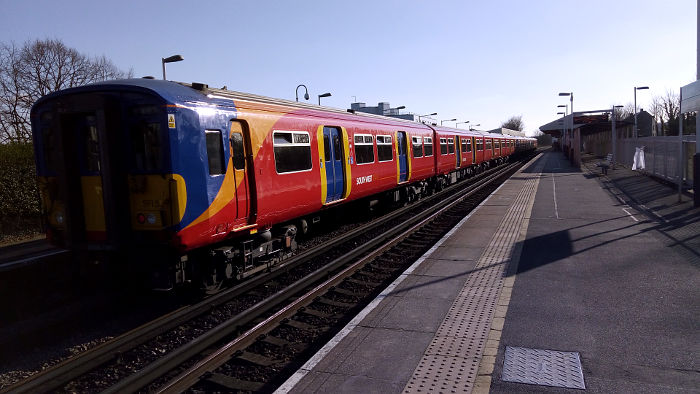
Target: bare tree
[
  {"x": 37, "y": 69},
  {"x": 624, "y": 112},
  {"x": 514, "y": 123},
  {"x": 666, "y": 110}
]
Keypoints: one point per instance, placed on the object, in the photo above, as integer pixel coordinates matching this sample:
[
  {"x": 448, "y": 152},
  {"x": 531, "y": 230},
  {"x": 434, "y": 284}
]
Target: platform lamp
[
  {"x": 447, "y": 120},
  {"x": 306, "y": 95},
  {"x": 471, "y": 128},
  {"x": 420, "y": 116},
  {"x": 566, "y": 112},
  {"x": 171, "y": 59},
  {"x": 635, "y": 107},
  {"x": 614, "y": 136},
  {"x": 323, "y": 95},
  {"x": 458, "y": 123},
  {"x": 571, "y": 99}
]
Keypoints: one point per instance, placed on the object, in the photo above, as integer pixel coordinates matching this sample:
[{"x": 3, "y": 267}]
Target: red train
[{"x": 214, "y": 182}]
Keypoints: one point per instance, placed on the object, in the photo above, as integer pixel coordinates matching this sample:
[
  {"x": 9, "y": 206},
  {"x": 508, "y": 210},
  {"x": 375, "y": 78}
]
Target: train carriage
[{"x": 169, "y": 170}]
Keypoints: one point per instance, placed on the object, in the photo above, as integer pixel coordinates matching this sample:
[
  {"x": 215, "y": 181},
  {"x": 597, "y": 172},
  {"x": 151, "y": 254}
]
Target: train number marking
[{"x": 364, "y": 179}]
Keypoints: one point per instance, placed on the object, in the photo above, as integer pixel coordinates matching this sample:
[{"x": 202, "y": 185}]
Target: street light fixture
[
  {"x": 614, "y": 136},
  {"x": 322, "y": 95},
  {"x": 447, "y": 120},
  {"x": 171, "y": 59},
  {"x": 571, "y": 99},
  {"x": 306, "y": 95},
  {"x": 420, "y": 116},
  {"x": 471, "y": 127},
  {"x": 635, "y": 107},
  {"x": 460, "y": 123}
]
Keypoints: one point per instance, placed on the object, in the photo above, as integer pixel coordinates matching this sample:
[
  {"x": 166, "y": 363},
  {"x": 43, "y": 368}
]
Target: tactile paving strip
[
  {"x": 451, "y": 361},
  {"x": 543, "y": 367}
]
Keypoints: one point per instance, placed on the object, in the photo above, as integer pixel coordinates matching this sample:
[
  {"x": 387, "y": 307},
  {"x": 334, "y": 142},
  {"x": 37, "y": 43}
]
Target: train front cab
[{"x": 103, "y": 168}]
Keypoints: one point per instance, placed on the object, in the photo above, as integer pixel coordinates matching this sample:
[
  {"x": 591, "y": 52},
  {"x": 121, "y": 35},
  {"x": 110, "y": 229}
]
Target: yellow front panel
[
  {"x": 93, "y": 203},
  {"x": 164, "y": 197}
]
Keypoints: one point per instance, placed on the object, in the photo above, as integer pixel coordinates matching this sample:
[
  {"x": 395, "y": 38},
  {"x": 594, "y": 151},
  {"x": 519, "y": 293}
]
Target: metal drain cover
[{"x": 543, "y": 367}]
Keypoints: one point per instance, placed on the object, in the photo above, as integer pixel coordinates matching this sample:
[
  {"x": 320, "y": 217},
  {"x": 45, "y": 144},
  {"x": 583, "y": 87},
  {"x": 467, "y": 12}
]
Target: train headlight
[
  {"x": 151, "y": 218},
  {"x": 59, "y": 217},
  {"x": 141, "y": 218}
]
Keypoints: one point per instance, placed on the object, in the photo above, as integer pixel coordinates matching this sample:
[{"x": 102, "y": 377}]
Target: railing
[{"x": 661, "y": 156}]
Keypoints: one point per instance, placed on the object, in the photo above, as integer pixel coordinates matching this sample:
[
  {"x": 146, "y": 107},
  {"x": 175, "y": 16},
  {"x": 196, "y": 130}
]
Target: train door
[
  {"x": 473, "y": 150},
  {"x": 242, "y": 172},
  {"x": 402, "y": 155},
  {"x": 458, "y": 151},
  {"x": 91, "y": 176},
  {"x": 335, "y": 177}
]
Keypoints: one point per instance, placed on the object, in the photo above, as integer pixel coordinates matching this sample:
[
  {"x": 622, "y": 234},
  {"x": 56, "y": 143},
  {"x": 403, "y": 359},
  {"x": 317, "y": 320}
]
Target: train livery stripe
[
  {"x": 348, "y": 171},
  {"x": 321, "y": 159}
]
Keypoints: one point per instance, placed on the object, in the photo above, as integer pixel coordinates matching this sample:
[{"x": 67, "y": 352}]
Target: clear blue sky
[{"x": 482, "y": 61}]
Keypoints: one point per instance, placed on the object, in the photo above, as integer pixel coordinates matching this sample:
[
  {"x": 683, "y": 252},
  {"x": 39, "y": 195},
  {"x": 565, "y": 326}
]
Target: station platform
[{"x": 558, "y": 282}]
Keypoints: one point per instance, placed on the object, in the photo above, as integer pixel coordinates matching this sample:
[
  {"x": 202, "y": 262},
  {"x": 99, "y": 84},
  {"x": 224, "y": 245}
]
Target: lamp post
[
  {"x": 635, "y": 108},
  {"x": 471, "y": 127},
  {"x": 322, "y": 95},
  {"x": 571, "y": 99},
  {"x": 306, "y": 95},
  {"x": 614, "y": 137},
  {"x": 420, "y": 116},
  {"x": 460, "y": 123},
  {"x": 447, "y": 120},
  {"x": 566, "y": 112},
  {"x": 170, "y": 59}
]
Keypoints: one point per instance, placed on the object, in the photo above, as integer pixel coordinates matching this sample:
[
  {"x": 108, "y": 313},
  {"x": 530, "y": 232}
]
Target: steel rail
[{"x": 224, "y": 353}]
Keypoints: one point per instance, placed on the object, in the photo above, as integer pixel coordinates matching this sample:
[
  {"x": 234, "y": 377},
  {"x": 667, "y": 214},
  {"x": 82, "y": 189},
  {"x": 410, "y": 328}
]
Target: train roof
[{"x": 201, "y": 93}]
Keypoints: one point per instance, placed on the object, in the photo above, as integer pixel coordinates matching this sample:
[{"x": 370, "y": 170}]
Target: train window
[
  {"x": 497, "y": 144},
  {"x": 450, "y": 145},
  {"x": 292, "y": 151},
  {"x": 488, "y": 144},
  {"x": 215, "y": 152},
  {"x": 364, "y": 149},
  {"x": 50, "y": 149},
  {"x": 91, "y": 147},
  {"x": 417, "y": 146},
  {"x": 146, "y": 143},
  {"x": 443, "y": 146},
  {"x": 463, "y": 144},
  {"x": 237, "y": 152},
  {"x": 384, "y": 150},
  {"x": 479, "y": 144},
  {"x": 428, "y": 146},
  {"x": 467, "y": 145}
]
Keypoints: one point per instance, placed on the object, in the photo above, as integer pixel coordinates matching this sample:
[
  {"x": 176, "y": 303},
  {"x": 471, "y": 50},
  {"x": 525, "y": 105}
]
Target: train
[{"x": 194, "y": 184}]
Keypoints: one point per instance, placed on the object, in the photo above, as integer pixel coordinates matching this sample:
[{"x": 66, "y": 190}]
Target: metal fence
[{"x": 661, "y": 156}]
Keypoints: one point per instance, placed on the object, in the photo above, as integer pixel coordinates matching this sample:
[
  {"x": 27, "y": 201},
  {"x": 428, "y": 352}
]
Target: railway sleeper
[
  {"x": 364, "y": 282},
  {"x": 232, "y": 384},
  {"x": 315, "y": 312},
  {"x": 351, "y": 293},
  {"x": 299, "y": 325},
  {"x": 339, "y": 304},
  {"x": 257, "y": 359}
]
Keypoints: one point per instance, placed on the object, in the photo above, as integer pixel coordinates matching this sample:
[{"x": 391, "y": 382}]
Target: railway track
[{"x": 252, "y": 336}]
